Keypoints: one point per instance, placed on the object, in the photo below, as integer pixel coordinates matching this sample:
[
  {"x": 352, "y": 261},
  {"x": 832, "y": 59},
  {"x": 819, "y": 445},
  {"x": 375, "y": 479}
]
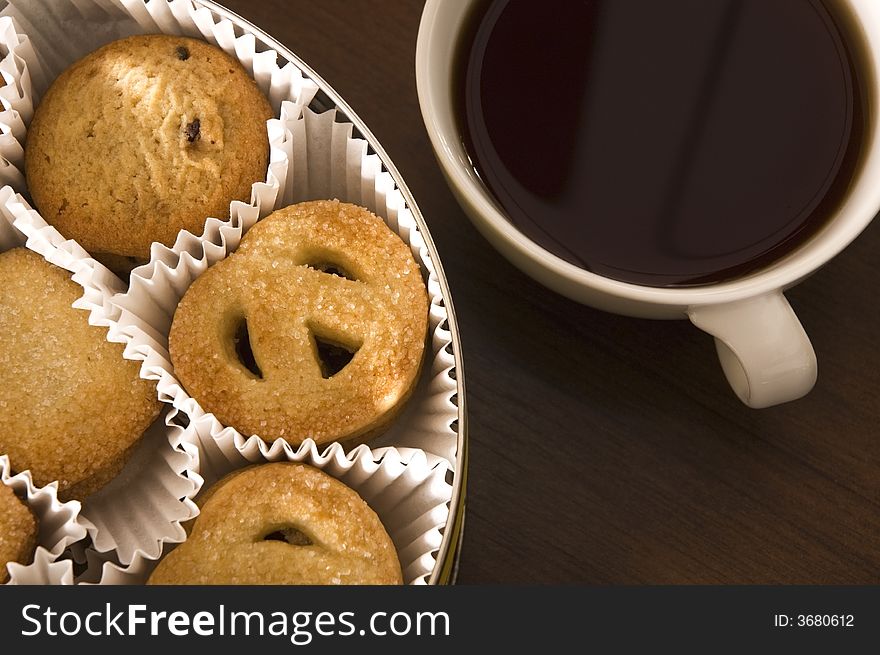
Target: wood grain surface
[{"x": 609, "y": 450}]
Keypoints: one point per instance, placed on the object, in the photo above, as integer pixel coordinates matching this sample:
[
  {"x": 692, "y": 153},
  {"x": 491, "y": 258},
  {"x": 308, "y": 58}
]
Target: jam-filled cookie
[
  {"x": 282, "y": 523},
  {"x": 315, "y": 327},
  {"x": 71, "y": 408},
  {"x": 18, "y": 531},
  {"x": 142, "y": 138}
]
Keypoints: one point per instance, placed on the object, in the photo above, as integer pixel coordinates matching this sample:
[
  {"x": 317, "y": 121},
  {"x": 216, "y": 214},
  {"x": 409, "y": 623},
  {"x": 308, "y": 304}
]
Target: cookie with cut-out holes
[
  {"x": 18, "y": 531},
  {"x": 142, "y": 138},
  {"x": 315, "y": 327},
  {"x": 71, "y": 407},
  {"x": 282, "y": 523}
]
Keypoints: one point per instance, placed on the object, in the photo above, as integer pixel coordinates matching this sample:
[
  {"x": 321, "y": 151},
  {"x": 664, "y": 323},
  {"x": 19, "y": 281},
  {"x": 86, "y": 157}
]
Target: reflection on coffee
[{"x": 670, "y": 143}]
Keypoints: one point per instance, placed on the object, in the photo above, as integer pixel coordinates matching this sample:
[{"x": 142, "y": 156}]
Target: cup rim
[{"x": 859, "y": 209}]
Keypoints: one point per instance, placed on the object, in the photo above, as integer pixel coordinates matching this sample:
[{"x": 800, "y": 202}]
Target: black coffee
[{"x": 662, "y": 142}]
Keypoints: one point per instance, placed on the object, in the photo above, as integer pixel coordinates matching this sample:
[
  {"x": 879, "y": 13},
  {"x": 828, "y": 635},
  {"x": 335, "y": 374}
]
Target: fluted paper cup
[
  {"x": 409, "y": 494},
  {"x": 58, "y": 528}
]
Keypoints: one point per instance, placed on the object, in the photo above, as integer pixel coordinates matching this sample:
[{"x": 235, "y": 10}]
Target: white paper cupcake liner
[
  {"x": 409, "y": 495},
  {"x": 50, "y": 48},
  {"x": 162, "y": 470},
  {"x": 317, "y": 158},
  {"x": 58, "y": 529},
  {"x": 17, "y": 66}
]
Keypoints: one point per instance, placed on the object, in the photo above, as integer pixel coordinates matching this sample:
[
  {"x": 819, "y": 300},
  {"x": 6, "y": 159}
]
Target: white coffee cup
[{"x": 764, "y": 351}]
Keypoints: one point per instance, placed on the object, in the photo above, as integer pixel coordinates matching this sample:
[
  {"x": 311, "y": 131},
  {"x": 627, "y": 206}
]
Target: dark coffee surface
[{"x": 662, "y": 143}]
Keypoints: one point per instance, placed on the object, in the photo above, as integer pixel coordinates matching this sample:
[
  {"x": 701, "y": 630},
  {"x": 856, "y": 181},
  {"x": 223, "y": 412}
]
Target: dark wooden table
[{"x": 606, "y": 449}]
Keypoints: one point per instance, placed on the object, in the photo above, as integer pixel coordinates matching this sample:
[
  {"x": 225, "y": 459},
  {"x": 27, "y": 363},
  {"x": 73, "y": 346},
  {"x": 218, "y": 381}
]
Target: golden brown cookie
[
  {"x": 71, "y": 407},
  {"x": 282, "y": 523},
  {"x": 142, "y": 138},
  {"x": 315, "y": 327},
  {"x": 18, "y": 531}
]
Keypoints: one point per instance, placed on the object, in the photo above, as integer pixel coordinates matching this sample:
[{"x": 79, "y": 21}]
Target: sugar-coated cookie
[
  {"x": 71, "y": 407},
  {"x": 282, "y": 523},
  {"x": 315, "y": 327}
]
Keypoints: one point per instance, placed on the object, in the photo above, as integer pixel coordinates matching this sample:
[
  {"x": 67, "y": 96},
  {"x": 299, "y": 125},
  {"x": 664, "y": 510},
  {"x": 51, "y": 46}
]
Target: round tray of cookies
[{"x": 228, "y": 353}]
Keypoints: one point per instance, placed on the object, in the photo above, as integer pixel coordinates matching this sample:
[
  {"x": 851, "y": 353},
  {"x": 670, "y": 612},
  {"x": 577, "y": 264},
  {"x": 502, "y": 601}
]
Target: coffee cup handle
[{"x": 766, "y": 355}]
